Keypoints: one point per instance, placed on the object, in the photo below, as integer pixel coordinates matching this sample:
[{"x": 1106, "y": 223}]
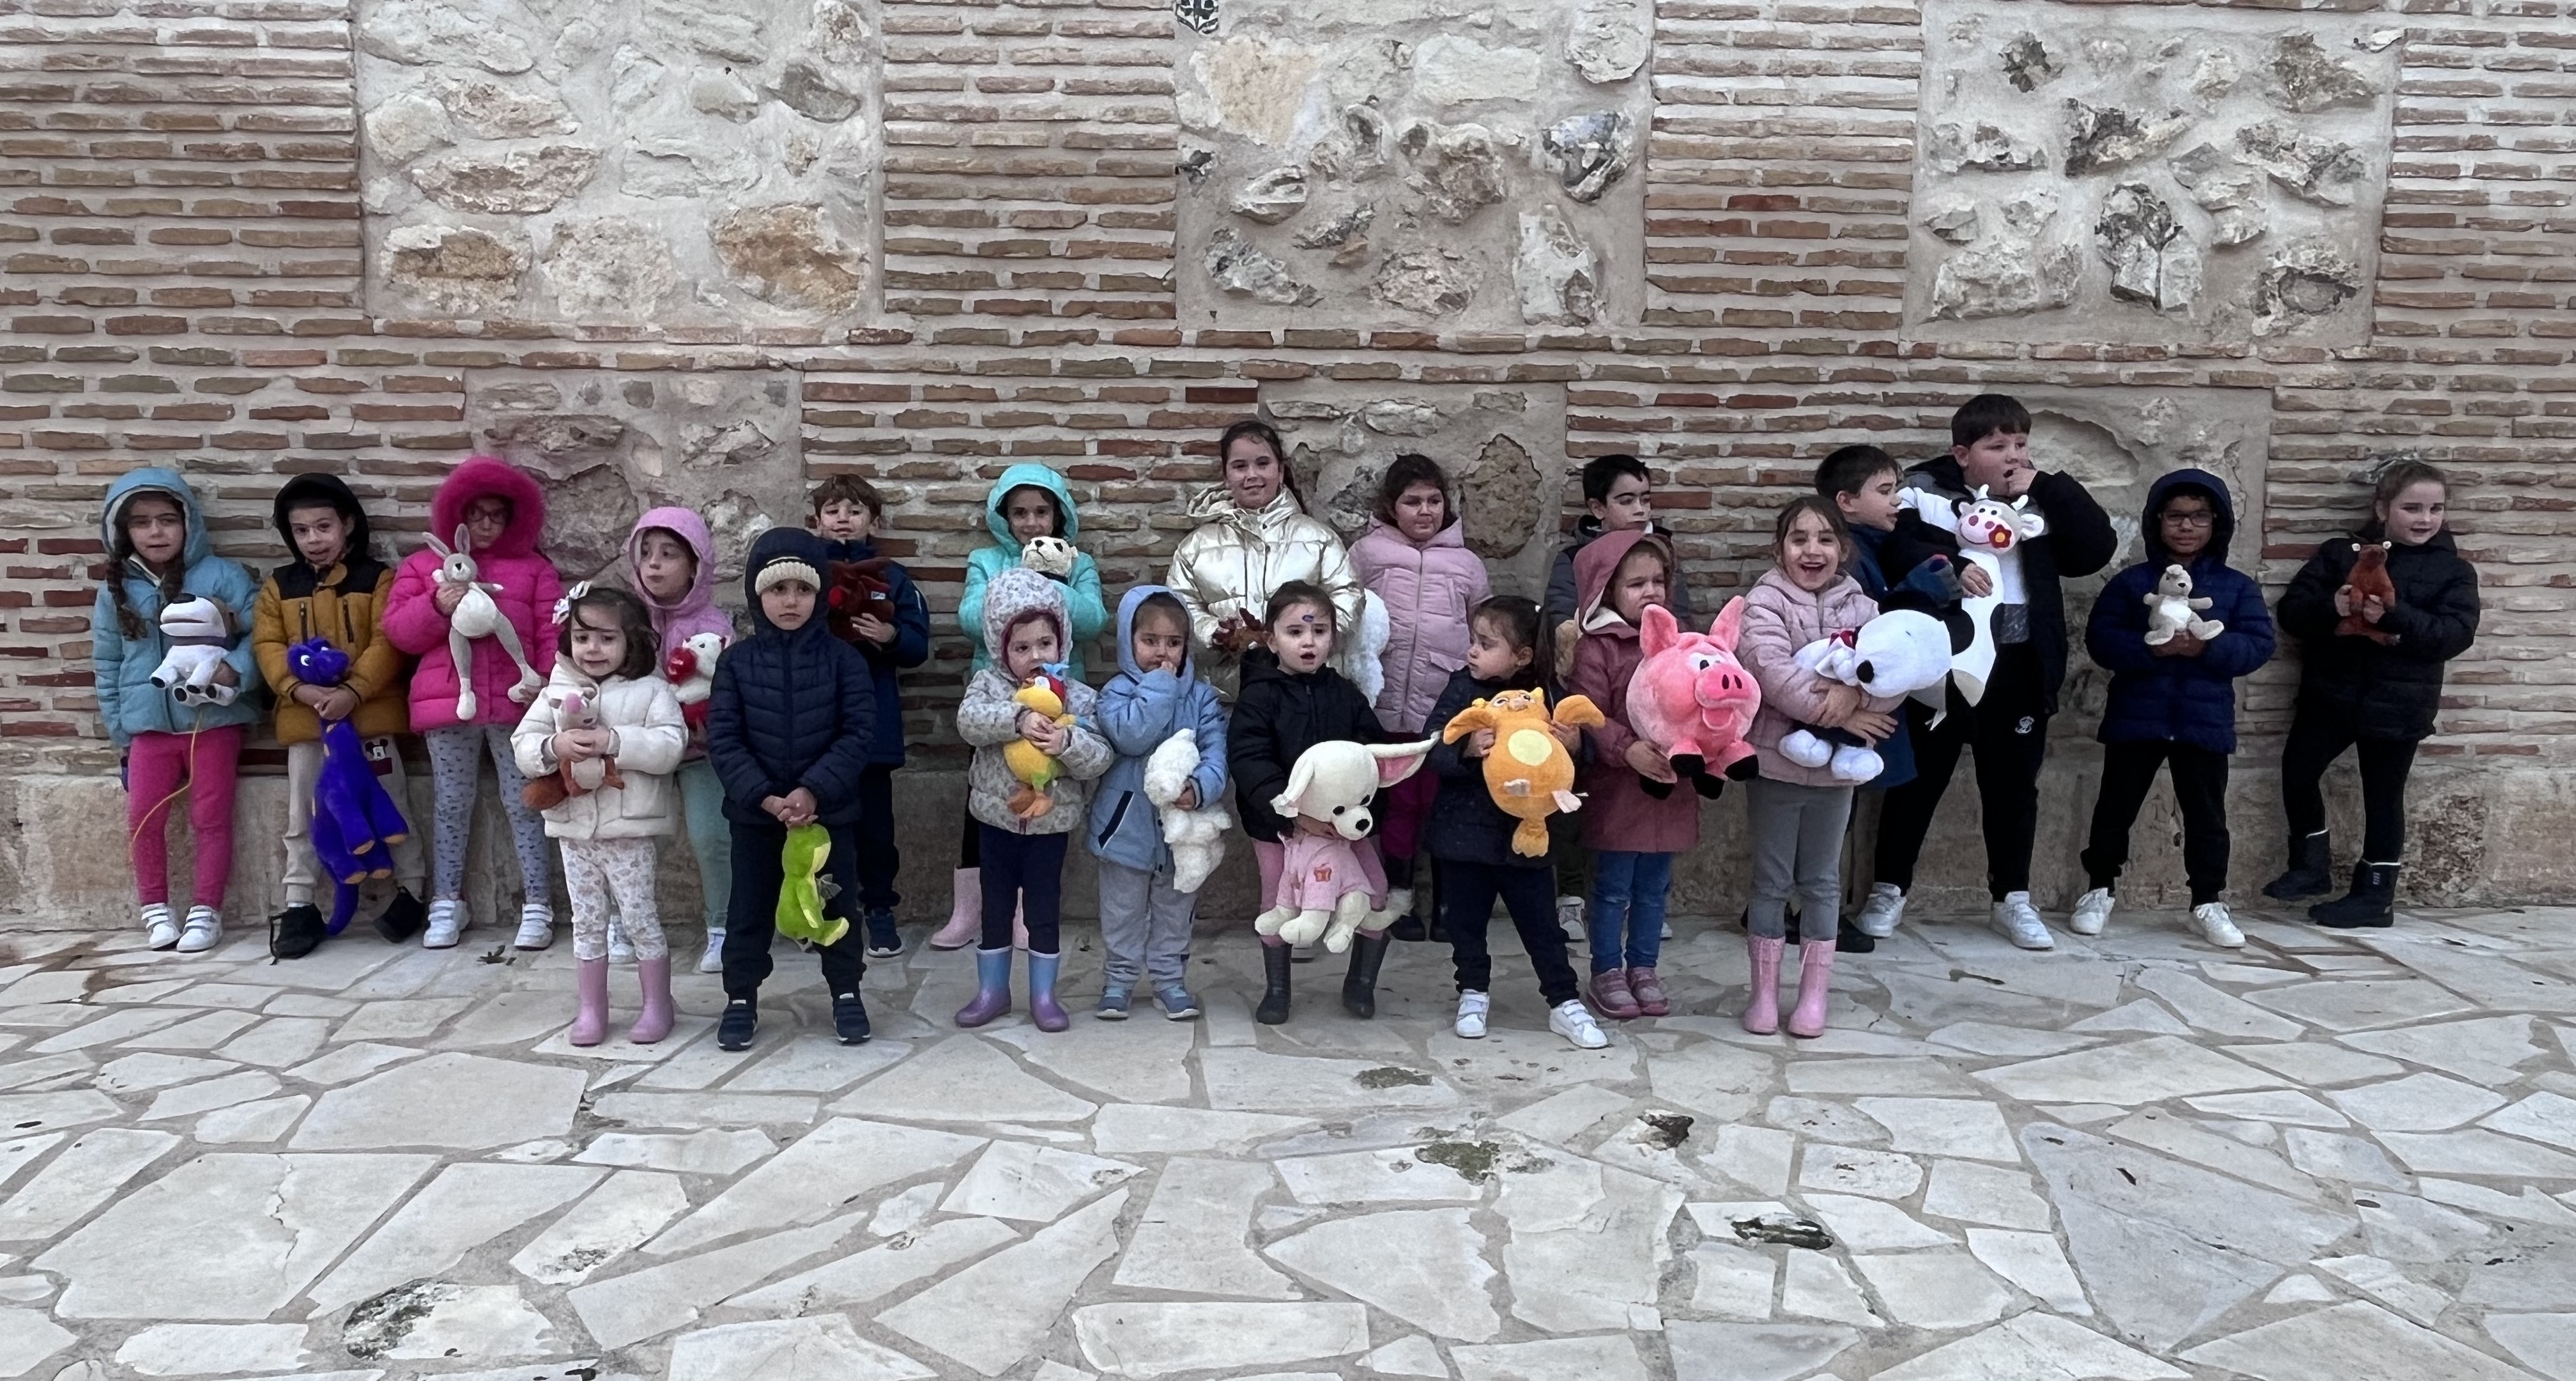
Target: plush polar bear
[
  {"x": 1195, "y": 837},
  {"x": 2171, "y": 610}
]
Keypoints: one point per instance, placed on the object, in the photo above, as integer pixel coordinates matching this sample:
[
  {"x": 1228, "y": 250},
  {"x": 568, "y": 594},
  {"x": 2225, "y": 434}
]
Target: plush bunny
[
  {"x": 1195, "y": 837},
  {"x": 477, "y": 616},
  {"x": 1323, "y": 892},
  {"x": 1901, "y": 652},
  {"x": 2171, "y": 610},
  {"x": 1529, "y": 774},
  {"x": 199, "y": 632},
  {"x": 2369, "y": 578},
  {"x": 1693, "y": 700},
  {"x": 573, "y": 709}
]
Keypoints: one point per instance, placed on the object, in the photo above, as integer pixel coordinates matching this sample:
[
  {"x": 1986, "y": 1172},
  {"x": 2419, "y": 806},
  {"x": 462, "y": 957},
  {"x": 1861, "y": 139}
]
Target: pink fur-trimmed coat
[{"x": 529, "y": 589}]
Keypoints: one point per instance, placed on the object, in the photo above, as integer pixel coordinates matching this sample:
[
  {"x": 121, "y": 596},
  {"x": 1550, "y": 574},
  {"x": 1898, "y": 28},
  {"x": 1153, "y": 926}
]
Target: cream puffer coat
[
  {"x": 644, "y": 714},
  {"x": 1233, "y": 561}
]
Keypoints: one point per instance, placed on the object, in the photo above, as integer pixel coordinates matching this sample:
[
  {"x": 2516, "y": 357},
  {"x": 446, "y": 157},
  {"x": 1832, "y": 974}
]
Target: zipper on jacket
[{"x": 1110, "y": 831}]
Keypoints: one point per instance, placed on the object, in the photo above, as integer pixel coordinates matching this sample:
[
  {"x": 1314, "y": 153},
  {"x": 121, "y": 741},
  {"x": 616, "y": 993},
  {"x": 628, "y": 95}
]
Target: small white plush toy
[
  {"x": 1900, "y": 653},
  {"x": 1360, "y": 657},
  {"x": 200, "y": 631},
  {"x": 692, "y": 668},
  {"x": 1049, "y": 556},
  {"x": 2171, "y": 610},
  {"x": 1195, "y": 837},
  {"x": 477, "y": 616}
]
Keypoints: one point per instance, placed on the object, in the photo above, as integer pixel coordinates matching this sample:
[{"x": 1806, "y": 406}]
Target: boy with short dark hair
[
  {"x": 2008, "y": 726},
  {"x": 1618, "y": 496},
  {"x": 848, "y": 512}
]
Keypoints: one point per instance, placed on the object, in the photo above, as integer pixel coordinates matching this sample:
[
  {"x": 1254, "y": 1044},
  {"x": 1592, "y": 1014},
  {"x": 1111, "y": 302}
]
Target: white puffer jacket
[{"x": 644, "y": 714}]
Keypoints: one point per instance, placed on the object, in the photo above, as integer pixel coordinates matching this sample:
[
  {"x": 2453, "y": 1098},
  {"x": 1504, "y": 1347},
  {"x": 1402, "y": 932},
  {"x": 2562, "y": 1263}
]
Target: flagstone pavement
[{"x": 2321, "y": 1158}]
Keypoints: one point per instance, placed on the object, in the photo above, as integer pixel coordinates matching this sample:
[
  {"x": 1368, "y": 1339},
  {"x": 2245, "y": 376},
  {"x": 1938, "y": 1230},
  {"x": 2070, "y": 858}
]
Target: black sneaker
[
  {"x": 884, "y": 940},
  {"x": 734, "y": 1029},
  {"x": 849, "y": 1019},
  {"x": 403, "y": 917},
  {"x": 295, "y": 932}
]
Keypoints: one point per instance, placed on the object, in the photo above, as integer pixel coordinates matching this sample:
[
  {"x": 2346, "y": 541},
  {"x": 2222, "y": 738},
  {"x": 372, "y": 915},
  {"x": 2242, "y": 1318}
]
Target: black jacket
[
  {"x": 2079, "y": 541},
  {"x": 1277, "y": 717},
  {"x": 2391, "y": 691},
  {"x": 1465, "y": 825},
  {"x": 791, "y": 709}
]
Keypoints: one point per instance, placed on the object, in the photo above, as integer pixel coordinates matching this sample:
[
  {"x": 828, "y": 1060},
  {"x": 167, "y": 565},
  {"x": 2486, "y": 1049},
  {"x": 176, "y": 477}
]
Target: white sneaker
[
  {"x": 1569, "y": 916},
  {"x": 2020, "y": 922},
  {"x": 1573, "y": 1021},
  {"x": 203, "y": 932},
  {"x": 536, "y": 928},
  {"x": 620, "y": 949},
  {"x": 1668, "y": 930},
  {"x": 2216, "y": 926},
  {"x": 1879, "y": 915},
  {"x": 160, "y": 928},
  {"x": 2092, "y": 912},
  {"x": 1472, "y": 1007},
  {"x": 713, "y": 960},
  {"x": 446, "y": 924}
]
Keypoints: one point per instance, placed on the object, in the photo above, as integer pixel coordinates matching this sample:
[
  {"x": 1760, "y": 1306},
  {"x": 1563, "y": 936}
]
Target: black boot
[
  {"x": 1274, "y": 993},
  {"x": 403, "y": 917},
  {"x": 1851, "y": 939},
  {"x": 1359, "y": 990},
  {"x": 2368, "y": 906},
  {"x": 1408, "y": 927},
  {"x": 295, "y": 932},
  {"x": 2311, "y": 872}
]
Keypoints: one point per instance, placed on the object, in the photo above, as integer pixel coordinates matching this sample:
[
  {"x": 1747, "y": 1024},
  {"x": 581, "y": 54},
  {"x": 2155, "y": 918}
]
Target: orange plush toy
[
  {"x": 1529, "y": 773},
  {"x": 2368, "y": 580}
]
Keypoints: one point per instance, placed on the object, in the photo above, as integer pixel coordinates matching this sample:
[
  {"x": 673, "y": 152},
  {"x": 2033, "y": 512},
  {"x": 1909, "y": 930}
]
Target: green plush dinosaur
[{"x": 802, "y": 895}]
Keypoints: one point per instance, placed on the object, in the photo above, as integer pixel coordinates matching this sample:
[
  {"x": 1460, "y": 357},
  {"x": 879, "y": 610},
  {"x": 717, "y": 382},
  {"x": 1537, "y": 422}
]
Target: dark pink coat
[
  {"x": 529, "y": 589},
  {"x": 1617, "y": 813}
]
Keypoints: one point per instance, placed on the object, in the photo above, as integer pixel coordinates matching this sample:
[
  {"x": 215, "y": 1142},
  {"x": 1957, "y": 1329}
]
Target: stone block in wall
[
  {"x": 638, "y": 161},
  {"x": 1393, "y": 165},
  {"x": 2148, "y": 174}
]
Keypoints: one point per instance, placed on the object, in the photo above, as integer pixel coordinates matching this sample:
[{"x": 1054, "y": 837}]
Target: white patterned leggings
[
  {"x": 458, "y": 775},
  {"x": 594, "y": 869}
]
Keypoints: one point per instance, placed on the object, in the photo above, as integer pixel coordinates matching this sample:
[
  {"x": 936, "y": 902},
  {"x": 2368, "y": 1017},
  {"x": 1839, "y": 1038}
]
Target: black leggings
[
  {"x": 2316, "y": 740},
  {"x": 1023, "y": 873},
  {"x": 970, "y": 842},
  {"x": 1528, "y": 892}
]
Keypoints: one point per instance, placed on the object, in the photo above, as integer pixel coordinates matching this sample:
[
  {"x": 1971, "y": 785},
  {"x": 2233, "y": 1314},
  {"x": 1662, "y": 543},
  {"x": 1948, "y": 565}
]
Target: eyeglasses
[{"x": 2203, "y": 519}]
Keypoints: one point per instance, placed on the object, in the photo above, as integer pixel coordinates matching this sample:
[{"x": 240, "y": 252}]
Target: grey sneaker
[
  {"x": 2092, "y": 912},
  {"x": 1112, "y": 1006},
  {"x": 2019, "y": 921},
  {"x": 1177, "y": 1003}
]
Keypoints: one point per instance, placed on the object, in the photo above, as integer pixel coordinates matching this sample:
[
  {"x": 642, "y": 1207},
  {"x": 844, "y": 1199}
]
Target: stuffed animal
[
  {"x": 859, "y": 588},
  {"x": 1049, "y": 556},
  {"x": 1902, "y": 652},
  {"x": 691, "y": 670},
  {"x": 1360, "y": 654},
  {"x": 2171, "y": 610},
  {"x": 1529, "y": 774},
  {"x": 1986, "y": 527},
  {"x": 1036, "y": 771},
  {"x": 1323, "y": 891},
  {"x": 1195, "y": 837},
  {"x": 1694, "y": 701},
  {"x": 477, "y": 616},
  {"x": 354, "y": 821},
  {"x": 803, "y": 889},
  {"x": 199, "y": 632},
  {"x": 573, "y": 708},
  {"x": 2368, "y": 580}
]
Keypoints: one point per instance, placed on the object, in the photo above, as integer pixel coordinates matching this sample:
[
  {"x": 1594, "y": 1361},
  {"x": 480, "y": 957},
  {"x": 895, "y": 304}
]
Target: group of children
[{"x": 801, "y": 724}]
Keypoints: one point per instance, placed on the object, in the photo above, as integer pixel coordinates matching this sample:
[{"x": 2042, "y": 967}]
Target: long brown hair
[
  {"x": 643, "y": 650},
  {"x": 129, "y": 620}
]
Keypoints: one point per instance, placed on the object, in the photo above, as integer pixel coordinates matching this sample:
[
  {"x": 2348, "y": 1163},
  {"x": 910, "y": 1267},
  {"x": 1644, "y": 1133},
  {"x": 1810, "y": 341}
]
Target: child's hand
[
  {"x": 1569, "y": 735},
  {"x": 1975, "y": 579},
  {"x": 2344, "y": 601},
  {"x": 775, "y": 807},
  {"x": 1874, "y": 725},
  {"x": 801, "y": 807},
  {"x": 1479, "y": 743},
  {"x": 2372, "y": 610},
  {"x": 2181, "y": 644},
  {"x": 580, "y": 745},
  {"x": 874, "y": 629},
  {"x": 336, "y": 704},
  {"x": 1188, "y": 799},
  {"x": 447, "y": 596},
  {"x": 1841, "y": 703},
  {"x": 1043, "y": 734},
  {"x": 1647, "y": 761}
]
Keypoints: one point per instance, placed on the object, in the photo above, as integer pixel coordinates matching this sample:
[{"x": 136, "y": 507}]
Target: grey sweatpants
[
  {"x": 1797, "y": 845},
  {"x": 1145, "y": 925}
]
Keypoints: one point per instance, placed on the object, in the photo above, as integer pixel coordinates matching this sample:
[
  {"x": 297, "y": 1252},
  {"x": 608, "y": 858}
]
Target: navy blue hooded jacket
[
  {"x": 2187, "y": 700},
  {"x": 910, "y": 648},
  {"x": 791, "y": 709}
]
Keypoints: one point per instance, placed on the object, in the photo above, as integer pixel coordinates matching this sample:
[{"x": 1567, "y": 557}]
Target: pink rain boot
[
  {"x": 965, "y": 913},
  {"x": 654, "y": 1022},
  {"x": 590, "y": 1025},
  {"x": 1815, "y": 983},
  {"x": 1762, "y": 1007}
]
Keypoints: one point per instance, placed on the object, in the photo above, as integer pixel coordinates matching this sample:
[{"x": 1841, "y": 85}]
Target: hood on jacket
[
  {"x": 491, "y": 477},
  {"x": 689, "y": 528},
  {"x": 153, "y": 479},
  {"x": 1598, "y": 562},
  {"x": 1940, "y": 472},
  {"x": 1217, "y": 506},
  {"x": 1020, "y": 591},
  {"x": 1028, "y": 476},
  {"x": 1452, "y": 533},
  {"x": 2219, "y": 500},
  {"x": 314, "y": 491},
  {"x": 1127, "y": 608},
  {"x": 783, "y": 544}
]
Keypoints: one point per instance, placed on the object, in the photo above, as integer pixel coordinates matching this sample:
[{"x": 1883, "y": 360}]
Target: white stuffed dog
[
  {"x": 1323, "y": 891},
  {"x": 1051, "y": 556},
  {"x": 1195, "y": 837},
  {"x": 200, "y": 631},
  {"x": 2172, "y": 610},
  {"x": 1902, "y": 652}
]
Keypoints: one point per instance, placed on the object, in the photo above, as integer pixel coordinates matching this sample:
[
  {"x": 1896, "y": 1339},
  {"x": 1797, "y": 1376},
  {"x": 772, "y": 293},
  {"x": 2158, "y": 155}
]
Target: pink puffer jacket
[
  {"x": 1779, "y": 619},
  {"x": 529, "y": 589},
  {"x": 1428, "y": 590}
]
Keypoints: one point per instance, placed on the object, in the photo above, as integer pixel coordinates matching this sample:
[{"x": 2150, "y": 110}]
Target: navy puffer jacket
[
  {"x": 2187, "y": 700},
  {"x": 790, "y": 708}
]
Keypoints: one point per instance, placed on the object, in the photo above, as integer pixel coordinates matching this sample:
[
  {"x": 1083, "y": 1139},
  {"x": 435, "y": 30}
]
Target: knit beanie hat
[{"x": 781, "y": 568}]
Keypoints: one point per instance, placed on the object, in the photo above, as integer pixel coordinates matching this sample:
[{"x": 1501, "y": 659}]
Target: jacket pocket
[{"x": 1117, "y": 817}]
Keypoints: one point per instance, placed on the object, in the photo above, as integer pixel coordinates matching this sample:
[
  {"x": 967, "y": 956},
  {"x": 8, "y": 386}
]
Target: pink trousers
[{"x": 157, "y": 767}]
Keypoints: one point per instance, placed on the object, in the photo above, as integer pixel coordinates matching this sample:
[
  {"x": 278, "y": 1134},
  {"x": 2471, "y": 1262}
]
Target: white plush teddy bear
[
  {"x": 1902, "y": 652},
  {"x": 1360, "y": 657},
  {"x": 200, "y": 631},
  {"x": 1049, "y": 556},
  {"x": 2171, "y": 610},
  {"x": 1195, "y": 837}
]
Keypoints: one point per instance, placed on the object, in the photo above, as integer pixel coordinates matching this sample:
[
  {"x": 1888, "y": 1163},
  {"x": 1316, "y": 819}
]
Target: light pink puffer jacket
[
  {"x": 1428, "y": 590},
  {"x": 1779, "y": 619}
]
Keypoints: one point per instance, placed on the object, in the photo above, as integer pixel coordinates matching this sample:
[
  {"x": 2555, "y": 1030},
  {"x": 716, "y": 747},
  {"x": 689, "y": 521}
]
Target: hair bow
[{"x": 571, "y": 597}]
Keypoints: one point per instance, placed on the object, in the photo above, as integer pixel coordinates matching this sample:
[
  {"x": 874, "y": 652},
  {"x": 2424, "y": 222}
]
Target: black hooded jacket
[
  {"x": 2382, "y": 691},
  {"x": 1278, "y": 715}
]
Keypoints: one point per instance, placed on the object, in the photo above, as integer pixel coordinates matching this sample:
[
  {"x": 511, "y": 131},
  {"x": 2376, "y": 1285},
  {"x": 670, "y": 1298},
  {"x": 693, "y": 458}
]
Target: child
[
  {"x": 502, "y": 510},
  {"x": 670, "y": 560},
  {"x": 158, "y": 555},
  {"x": 1633, "y": 835},
  {"x": 604, "y": 652},
  {"x": 789, "y": 728},
  {"x": 1291, "y": 700},
  {"x": 1028, "y": 501},
  {"x": 1144, "y": 923},
  {"x": 1472, "y": 839},
  {"x": 335, "y": 590},
  {"x": 847, "y": 513},
  {"x": 1990, "y": 450},
  {"x": 1024, "y": 623},
  {"x": 1798, "y": 813},
  {"x": 2173, "y": 703},
  {"x": 2356, "y": 691},
  {"x": 1415, "y": 559},
  {"x": 1253, "y": 535}
]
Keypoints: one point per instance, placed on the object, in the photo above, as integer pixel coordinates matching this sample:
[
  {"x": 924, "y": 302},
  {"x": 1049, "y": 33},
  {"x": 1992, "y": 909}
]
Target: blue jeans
[{"x": 1626, "y": 914}]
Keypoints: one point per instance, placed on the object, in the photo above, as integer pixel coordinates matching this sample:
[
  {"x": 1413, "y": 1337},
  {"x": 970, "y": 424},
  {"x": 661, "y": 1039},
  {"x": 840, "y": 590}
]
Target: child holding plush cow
[{"x": 599, "y": 747}]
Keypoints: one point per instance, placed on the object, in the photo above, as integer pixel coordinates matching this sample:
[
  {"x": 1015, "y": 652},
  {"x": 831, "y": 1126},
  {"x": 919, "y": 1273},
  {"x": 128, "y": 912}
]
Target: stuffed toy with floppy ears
[
  {"x": 858, "y": 589},
  {"x": 2368, "y": 579},
  {"x": 573, "y": 708},
  {"x": 1195, "y": 837},
  {"x": 1529, "y": 774},
  {"x": 354, "y": 822},
  {"x": 1323, "y": 891},
  {"x": 691, "y": 670},
  {"x": 478, "y": 616},
  {"x": 1903, "y": 652},
  {"x": 199, "y": 632},
  {"x": 803, "y": 890},
  {"x": 1694, "y": 700},
  {"x": 1986, "y": 527},
  {"x": 2172, "y": 610}
]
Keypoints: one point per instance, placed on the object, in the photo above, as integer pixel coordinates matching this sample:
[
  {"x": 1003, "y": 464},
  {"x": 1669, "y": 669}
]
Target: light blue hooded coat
[
  {"x": 1136, "y": 711},
  {"x": 1082, "y": 592},
  {"x": 128, "y": 702}
]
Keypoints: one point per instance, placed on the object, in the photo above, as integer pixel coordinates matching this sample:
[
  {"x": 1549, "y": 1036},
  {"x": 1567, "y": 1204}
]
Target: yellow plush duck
[
  {"x": 1529, "y": 773},
  {"x": 1044, "y": 693}
]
